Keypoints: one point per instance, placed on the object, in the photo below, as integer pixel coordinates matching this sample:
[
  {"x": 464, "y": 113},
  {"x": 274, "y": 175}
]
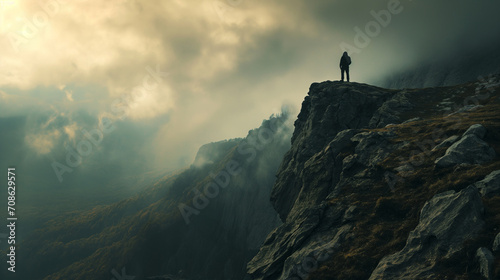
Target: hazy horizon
[{"x": 170, "y": 76}]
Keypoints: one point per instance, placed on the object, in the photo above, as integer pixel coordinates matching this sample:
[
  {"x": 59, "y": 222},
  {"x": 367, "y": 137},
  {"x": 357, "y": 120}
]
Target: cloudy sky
[{"x": 163, "y": 77}]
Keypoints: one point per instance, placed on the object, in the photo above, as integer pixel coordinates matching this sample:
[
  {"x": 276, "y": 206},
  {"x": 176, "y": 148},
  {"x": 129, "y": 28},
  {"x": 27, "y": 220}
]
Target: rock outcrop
[
  {"x": 485, "y": 261},
  {"x": 470, "y": 149},
  {"x": 312, "y": 170},
  {"x": 496, "y": 243},
  {"x": 490, "y": 185},
  {"x": 446, "y": 222},
  {"x": 333, "y": 182},
  {"x": 331, "y": 107}
]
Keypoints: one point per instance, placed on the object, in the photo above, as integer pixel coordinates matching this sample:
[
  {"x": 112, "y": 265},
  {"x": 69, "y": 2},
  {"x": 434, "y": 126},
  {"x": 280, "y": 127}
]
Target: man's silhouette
[{"x": 345, "y": 61}]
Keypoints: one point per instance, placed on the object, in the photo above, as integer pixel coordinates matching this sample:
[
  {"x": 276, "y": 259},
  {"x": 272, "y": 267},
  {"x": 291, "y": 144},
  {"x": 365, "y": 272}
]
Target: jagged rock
[
  {"x": 389, "y": 112},
  {"x": 490, "y": 185},
  {"x": 334, "y": 162},
  {"x": 447, "y": 142},
  {"x": 312, "y": 253},
  {"x": 350, "y": 213},
  {"x": 496, "y": 243},
  {"x": 470, "y": 149},
  {"x": 372, "y": 147},
  {"x": 485, "y": 261},
  {"x": 476, "y": 129},
  {"x": 329, "y": 108},
  {"x": 288, "y": 238},
  {"x": 446, "y": 222}
]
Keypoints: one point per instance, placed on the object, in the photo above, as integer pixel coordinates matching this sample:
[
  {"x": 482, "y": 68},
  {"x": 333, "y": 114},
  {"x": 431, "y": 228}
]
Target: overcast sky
[{"x": 171, "y": 75}]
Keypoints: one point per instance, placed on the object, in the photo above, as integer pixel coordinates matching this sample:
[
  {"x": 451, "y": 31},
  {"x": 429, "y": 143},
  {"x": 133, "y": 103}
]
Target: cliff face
[{"x": 361, "y": 196}]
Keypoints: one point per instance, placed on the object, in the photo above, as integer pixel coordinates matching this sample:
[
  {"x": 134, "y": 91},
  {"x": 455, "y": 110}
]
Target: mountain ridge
[{"x": 359, "y": 172}]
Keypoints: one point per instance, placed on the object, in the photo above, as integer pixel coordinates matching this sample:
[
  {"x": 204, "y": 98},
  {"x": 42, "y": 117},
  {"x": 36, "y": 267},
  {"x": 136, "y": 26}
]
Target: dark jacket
[{"x": 345, "y": 61}]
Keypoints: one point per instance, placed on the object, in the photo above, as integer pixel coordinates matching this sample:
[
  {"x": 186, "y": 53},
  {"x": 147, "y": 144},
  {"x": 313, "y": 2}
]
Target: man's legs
[
  {"x": 342, "y": 71},
  {"x": 347, "y": 72}
]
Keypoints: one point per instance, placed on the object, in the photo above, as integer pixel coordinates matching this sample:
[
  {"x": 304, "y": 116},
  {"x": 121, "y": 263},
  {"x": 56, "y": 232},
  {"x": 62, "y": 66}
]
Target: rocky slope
[
  {"x": 388, "y": 184},
  {"x": 205, "y": 222}
]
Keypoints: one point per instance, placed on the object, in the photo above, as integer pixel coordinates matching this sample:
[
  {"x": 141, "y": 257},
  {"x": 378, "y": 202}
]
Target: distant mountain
[
  {"x": 205, "y": 222},
  {"x": 389, "y": 184},
  {"x": 450, "y": 70}
]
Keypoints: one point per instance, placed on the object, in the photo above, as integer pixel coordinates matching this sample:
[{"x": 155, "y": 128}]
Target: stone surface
[
  {"x": 490, "y": 185},
  {"x": 496, "y": 243},
  {"x": 329, "y": 108},
  {"x": 447, "y": 142},
  {"x": 389, "y": 112},
  {"x": 466, "y": 108},
  {"x": 485, "y": 260},
  {"x": 288, "y": 244},
  {"x": 476, "y": 129},
  {"x": 446, "y": 222},
  {"x": 309, "y": 257},
  {"x": 469, "y": 149},
  {"x": 372, "y": 147},
  {"x": 339, "y": 152}
]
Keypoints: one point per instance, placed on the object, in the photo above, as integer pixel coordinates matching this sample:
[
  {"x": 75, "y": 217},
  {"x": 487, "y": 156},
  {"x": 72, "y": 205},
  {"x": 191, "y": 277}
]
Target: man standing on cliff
[{"x": 345, "y": 61}]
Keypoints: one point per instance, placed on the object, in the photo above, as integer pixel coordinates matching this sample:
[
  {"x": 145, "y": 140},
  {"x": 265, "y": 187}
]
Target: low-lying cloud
[{"x": 222, "y": 67}]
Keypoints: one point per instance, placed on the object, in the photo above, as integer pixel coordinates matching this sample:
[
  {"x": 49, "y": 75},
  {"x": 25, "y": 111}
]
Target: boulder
[
  {"x": 485, "y": 260},
  {"x": 470, "y": 150},
  {"x": 446, "y": 222},
  {"x": 476, "y": 129},
  {"x": 447, "y": 142},
  {"x": 490, "y": 185}
]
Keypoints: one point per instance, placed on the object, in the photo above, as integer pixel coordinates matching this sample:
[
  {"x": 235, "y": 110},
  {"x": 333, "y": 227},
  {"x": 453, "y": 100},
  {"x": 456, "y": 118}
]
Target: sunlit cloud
[{"x": 230, "y": 64}]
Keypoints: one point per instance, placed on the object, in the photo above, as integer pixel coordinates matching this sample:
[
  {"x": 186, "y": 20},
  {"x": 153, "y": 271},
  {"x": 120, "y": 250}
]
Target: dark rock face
[
  {"x": 315, "y": 170},
  {"x": 485, "y": 261},
  {"x": 331, "y": 107},
  {"x": 447, "y": 142},
  {"x": 477, "y": 130},
  {"x": 496, "y": 243},
  {"x": 470, "y": 149},
  {"x": 446, "y": 222},
  {"x": 490, "y": 185},
  {"x": 343, "y": 136}
]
